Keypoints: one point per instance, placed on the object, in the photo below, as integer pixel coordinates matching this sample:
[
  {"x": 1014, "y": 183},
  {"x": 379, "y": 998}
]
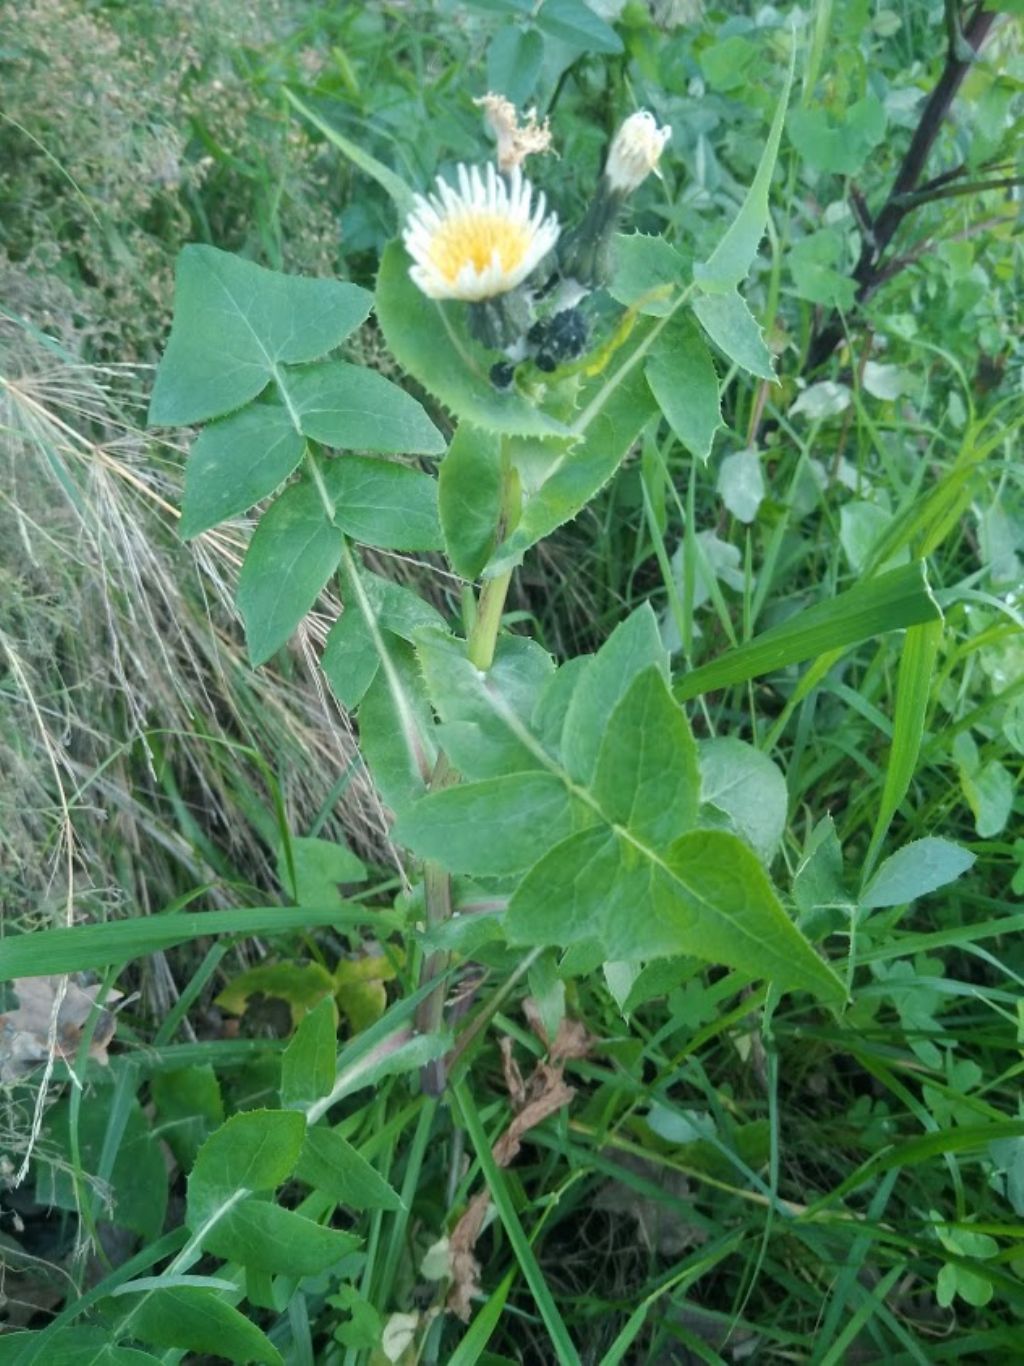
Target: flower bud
[{"x": 635, "y": 151}]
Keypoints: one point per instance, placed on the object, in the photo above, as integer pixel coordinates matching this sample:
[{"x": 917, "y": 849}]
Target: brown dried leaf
[
  {"x": 465, "y": 1269},
  {"x": 513, "y": 1077},
  {"x": 548, "y": 1094},
  {"x": 571, "y": 1041},
  {"x": 25, "y": 1032}
]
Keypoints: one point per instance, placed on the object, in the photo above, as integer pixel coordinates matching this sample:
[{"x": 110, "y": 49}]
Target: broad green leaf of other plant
[
  {"x": 235, "y": 324},
  {"x": 249, "y": 1156},
  {"x": 198, "y": 1320}
]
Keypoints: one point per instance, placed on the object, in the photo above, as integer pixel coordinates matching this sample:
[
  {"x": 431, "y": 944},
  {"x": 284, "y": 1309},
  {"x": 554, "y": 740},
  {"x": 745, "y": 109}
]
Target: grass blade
[
  {"x": 913, "y": 686},
  {"x": 94, "y": 946},
  {"x": 891, "y": 602},
  {"x": 393, "y": 185}
]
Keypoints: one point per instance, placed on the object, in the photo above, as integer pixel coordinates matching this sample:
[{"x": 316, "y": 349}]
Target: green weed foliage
[{"x": 511, "y": 834}]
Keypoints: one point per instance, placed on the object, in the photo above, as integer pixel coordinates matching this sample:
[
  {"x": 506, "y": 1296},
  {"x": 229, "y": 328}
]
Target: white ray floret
[{"x": 480, "y": 240}]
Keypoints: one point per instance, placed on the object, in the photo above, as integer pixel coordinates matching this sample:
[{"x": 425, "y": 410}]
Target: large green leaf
[
  {"x": 890, "y": 602},
  {"x": 351, "y": 658},
  {"x": 429, "y": 340},
  {"x": 638, "y": 881},
  {"x": 705, "y": 895},
  {"x": 292, "y": 554},
  {"x": 307, "y": 1066},
  {"x": 71, "y": 1347},
  {"x": 352, "y": 408},
  {"x": 682, "y": 377},
  {"x": 647, "y": 778},
  {"x": 381, "y": 503},
  {"x": 633, "y": 646},
  {"x": 197, "y": 1320},
  {"x": 265, "y": 1237},
  {"x": 494, "y": 827},
  {"x": 473, "y": 734},
  {"x": 396, "y": 733},
  {"x": 253, "y": 1151},
  {"x": 334, "y": 1168},
  {"x": 735, "y": 331},
  {"x": 234, "y": 324},
  {"x": 469, "y": 497},
  {"x": 729, "y": 262},
  {"x": 236, "y": 462},
  {"x": 613, "y": 411}
]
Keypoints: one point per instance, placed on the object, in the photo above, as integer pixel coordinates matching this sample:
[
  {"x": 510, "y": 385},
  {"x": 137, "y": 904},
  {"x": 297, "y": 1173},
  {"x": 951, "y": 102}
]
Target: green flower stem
[{"x": 437, "y": 883}]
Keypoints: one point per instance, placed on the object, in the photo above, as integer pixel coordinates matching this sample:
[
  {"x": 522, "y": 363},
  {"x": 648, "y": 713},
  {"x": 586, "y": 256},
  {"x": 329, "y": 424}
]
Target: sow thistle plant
[
  {"x": 567, "y": 800},
  {"x": 557, "y": 819}
]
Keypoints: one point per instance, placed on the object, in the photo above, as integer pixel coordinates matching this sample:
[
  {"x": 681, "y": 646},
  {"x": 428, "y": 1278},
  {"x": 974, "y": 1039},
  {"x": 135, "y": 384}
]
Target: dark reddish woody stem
[{"x": 878, "y": 233}]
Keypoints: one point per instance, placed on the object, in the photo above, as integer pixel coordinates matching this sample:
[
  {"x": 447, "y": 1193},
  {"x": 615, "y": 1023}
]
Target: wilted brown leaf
[
  {"x": 464, "y": 1267},
  {"x": 540, "y": 1095},
  {"x": 548, "y": 1093},
  {"x": 25, "y": 1032}
]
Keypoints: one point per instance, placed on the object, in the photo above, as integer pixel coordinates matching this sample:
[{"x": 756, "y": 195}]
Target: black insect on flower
[
  {"x": 503, "y": 372},
  {"x": 558, "y": 339}
]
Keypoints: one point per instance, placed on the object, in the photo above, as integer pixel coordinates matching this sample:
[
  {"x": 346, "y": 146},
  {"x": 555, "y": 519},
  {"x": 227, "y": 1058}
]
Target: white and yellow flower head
[
  {"x": 481, "y": 240},
  {"x": 635, "y": 151}
]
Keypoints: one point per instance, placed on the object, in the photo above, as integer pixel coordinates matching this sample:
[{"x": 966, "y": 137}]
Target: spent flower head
[
  {"x": 481, "y": 240},
  {"x": 516, "y": 141}
]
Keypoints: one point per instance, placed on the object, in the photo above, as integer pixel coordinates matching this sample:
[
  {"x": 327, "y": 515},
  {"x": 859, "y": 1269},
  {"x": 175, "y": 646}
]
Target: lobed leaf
[
  {"x": 729, "y": 263},
  {"x": 682, "y": 378},
  {"x": 381, "y": 503},
  {"x": 292, "y": 554},
  {"x": 236, "y": 462},
  {"x": 493, "y": 827},
  {"x": 352, "y": 408},
  {"x": 735, "y": 331},
  {"x": 234, "y": 324},
  {"x": 334, "y": 1168}
]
